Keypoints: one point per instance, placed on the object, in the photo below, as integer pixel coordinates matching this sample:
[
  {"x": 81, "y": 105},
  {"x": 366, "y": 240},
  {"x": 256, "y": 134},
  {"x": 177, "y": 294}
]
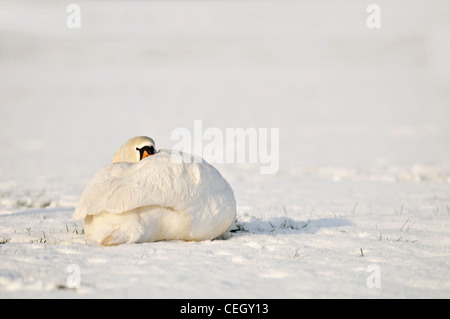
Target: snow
[{"x": 362, "y": 190}]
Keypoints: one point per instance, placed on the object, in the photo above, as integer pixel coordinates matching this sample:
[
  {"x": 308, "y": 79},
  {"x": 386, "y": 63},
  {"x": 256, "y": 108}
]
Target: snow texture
[{"x": 360, "y": 205}]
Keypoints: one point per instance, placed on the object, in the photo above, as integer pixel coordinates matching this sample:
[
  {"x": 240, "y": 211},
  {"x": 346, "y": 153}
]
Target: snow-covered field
[{"x": 360, "y": 205}]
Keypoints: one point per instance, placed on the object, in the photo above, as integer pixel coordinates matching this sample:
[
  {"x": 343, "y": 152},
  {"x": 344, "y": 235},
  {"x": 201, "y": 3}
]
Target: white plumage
[{"x": 160, "y": 197}]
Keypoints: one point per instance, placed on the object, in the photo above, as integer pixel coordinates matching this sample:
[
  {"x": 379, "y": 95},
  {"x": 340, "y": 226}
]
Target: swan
[{"x": 146, "y": 195}]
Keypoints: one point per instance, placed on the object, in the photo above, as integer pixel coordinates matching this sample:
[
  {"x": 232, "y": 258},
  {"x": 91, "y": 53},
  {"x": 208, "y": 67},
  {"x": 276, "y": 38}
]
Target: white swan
[{"x": 147, "y": 196}]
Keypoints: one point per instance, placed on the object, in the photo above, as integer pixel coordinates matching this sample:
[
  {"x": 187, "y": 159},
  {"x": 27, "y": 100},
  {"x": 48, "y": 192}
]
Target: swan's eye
[{"x": 145, "y": 151}]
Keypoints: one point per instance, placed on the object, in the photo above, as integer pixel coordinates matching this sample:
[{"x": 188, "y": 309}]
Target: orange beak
[{"x": 145, "y": 154}]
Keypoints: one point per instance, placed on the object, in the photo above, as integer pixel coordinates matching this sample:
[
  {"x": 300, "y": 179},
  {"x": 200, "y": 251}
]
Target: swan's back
[{"x": 157, "y": 198}]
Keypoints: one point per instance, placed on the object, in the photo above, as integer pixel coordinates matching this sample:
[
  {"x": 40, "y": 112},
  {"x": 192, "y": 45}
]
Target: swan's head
[{"x": 135, "y": 149}]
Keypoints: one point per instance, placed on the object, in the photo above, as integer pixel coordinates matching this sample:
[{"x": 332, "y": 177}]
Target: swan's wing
[{"x": 156, "y": 180}]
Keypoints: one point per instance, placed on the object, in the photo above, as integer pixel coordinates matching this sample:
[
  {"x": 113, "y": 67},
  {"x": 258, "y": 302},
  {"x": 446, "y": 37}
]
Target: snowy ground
[{"x": 363, "y": 189}]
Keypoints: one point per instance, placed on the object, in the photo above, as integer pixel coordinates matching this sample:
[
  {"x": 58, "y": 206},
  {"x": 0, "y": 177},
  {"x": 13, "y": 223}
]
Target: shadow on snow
[{"x": 285, "y": 225}]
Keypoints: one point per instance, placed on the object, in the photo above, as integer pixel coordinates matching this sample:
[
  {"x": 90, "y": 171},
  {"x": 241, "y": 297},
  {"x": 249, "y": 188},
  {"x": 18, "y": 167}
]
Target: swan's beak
[
  {"x": 145, "y": 154},
  {"x": 146, "y": 151}
]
